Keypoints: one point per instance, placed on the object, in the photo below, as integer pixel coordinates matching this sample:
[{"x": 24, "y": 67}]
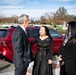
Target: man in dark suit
[{"x": 21, "y": 46}]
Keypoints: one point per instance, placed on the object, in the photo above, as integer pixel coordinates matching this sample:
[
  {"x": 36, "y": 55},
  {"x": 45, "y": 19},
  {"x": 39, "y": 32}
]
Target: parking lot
[{"x": 7, "y": 68}]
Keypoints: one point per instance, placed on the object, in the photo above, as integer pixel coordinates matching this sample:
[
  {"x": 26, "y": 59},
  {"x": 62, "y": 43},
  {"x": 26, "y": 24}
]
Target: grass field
[{"x": 59, "y": 29}]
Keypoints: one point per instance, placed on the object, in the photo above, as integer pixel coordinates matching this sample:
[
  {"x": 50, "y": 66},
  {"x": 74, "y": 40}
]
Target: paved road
[{"x": 7, "y": 68}]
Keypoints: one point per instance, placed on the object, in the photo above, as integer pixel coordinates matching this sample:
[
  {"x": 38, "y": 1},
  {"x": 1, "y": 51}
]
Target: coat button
[
  {"x": 44, "y": 53},
  {"x": 40, "y": 59},
  {"x": 40, "y": 53}
]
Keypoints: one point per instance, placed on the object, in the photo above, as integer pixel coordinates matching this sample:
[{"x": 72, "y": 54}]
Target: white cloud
[
  {"x": 10, "y": 7},
  {"x": 10, "y": 2},
  {"x": 31, "y": 13},
  {"x": 65, "y": 0},
  {"x": 62, "y": 0},
  {"x": 33, "y": 2},
  {"x": 71, "y": 9},
  {"x": 18, "y": 10}
]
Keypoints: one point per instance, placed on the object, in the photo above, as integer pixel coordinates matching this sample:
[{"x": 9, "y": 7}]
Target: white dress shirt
[{"x": 24, "y": 29}]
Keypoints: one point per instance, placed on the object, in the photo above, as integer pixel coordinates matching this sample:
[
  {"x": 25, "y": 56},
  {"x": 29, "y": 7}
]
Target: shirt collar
[{"x": 22, "y": 27}]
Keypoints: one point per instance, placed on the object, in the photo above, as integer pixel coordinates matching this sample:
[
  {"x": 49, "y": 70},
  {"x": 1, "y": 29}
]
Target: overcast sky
[{"x": 35, "y": 8}]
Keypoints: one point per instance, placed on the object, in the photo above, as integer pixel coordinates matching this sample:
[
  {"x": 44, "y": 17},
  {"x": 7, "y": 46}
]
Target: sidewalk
[
  {"x": 55, "y": 66},
  {"x": 11, "y": 73}
]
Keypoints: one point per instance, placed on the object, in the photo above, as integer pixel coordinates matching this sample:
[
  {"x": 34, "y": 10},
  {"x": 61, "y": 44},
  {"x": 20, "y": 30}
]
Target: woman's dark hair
[
  {"x": 72, "y": 26},
  {"x": 47, "y": 32},
  {"x": 72, "y": 29}
]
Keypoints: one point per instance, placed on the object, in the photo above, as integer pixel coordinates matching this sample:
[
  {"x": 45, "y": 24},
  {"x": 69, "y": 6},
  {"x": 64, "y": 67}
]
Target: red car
[{"x": 6, "y": 49}]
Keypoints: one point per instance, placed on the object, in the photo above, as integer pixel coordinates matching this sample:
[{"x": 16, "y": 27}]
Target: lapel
[{"x": 22, "y": 31}]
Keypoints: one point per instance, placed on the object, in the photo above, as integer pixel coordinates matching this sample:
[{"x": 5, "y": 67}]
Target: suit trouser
[{"x": 21, "y": 70}]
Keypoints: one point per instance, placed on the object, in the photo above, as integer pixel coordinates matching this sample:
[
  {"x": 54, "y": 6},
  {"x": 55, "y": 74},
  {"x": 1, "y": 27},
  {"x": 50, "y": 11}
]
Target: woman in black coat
[
  {"x": 43, "y": 59},
  {"x": 68, "y": 53}
]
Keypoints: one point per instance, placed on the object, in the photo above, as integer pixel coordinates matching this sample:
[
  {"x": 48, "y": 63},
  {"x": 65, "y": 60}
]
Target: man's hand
[{"x": 49, "y": 61}]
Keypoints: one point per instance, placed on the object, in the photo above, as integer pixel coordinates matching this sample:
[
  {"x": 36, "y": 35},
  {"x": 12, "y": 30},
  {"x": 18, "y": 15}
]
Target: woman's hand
[
  {"x": 49, "y": 61},
  {"x": 59, "y": 58}
]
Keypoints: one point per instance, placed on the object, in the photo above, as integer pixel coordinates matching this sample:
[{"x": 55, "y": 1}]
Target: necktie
[{"x": 25, "y": 32}]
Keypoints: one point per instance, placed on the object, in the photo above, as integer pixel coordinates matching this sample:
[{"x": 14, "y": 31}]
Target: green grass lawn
[{"x": 59, "y": 29}]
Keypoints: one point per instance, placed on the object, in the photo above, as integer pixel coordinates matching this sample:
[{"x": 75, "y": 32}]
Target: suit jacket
[{"x": 21, "y": 47}]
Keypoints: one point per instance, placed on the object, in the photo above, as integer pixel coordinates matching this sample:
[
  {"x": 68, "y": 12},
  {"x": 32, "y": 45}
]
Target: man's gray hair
[{"x": 23, "y": 18}]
